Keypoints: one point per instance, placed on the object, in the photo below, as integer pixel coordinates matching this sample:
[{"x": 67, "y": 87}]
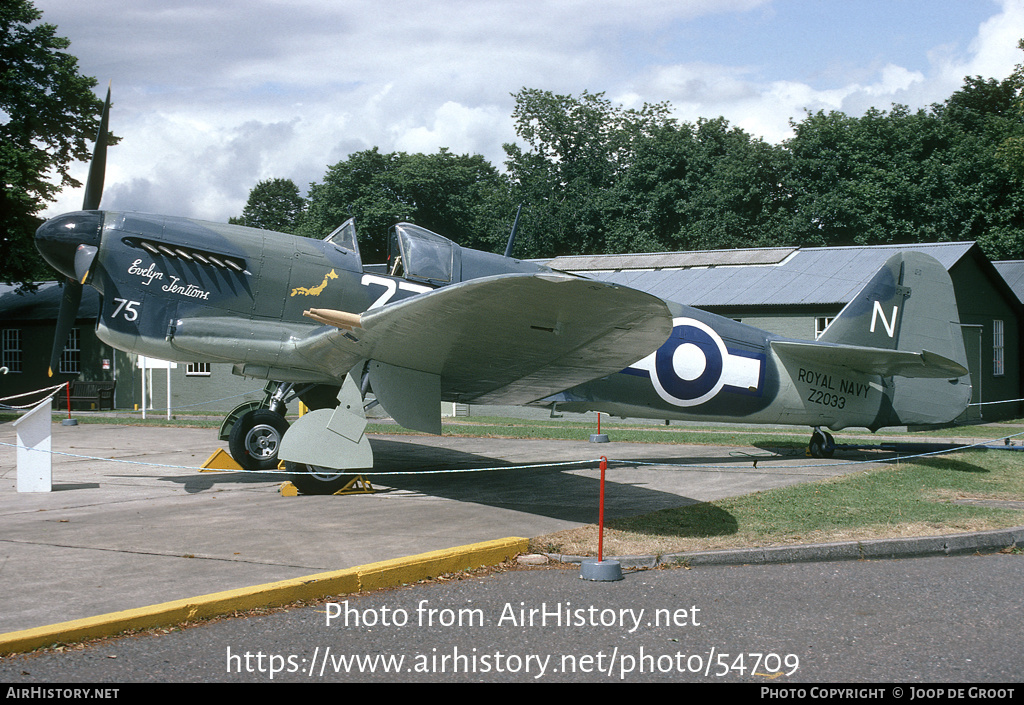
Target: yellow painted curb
[{"x": 311, "y": 587}]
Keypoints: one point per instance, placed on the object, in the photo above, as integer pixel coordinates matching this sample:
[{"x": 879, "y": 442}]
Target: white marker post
[
  {"x": 147, "y": 365},
  {"x": 35, "y": 472}
]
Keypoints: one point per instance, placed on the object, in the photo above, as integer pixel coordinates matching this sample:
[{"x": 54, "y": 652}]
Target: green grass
[
  {"x": 725, "y": 434},
  {"x": 906, "y": 499},
  {"x": 131, "y": 419},
  {"x": 556, "y": 429},
  {"x": 563, "y": 429}
]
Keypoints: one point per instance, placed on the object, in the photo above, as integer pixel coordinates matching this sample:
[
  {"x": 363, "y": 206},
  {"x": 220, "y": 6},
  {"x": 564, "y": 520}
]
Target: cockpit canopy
[{"x": 418, "y": 254}]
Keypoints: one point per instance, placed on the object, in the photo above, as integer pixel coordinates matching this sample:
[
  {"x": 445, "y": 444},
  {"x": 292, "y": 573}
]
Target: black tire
[
  {"x": 256, "y": 439},
  {"x": 312, "y": 479},
  {"x": 822, "y": 445}
]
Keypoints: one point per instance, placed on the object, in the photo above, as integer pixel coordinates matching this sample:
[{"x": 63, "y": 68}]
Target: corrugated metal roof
[
  {"x": 671, "y": 260},
  {"x": 811, "y": 276},
  {"x": 1013, "y": 272},
  {"x": 43, "y": 303}
]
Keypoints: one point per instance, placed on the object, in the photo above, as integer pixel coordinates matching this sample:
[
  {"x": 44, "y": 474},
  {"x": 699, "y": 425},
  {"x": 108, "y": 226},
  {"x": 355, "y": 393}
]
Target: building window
[
  {"x": 11, "y": 354},
  {"x": 198, "y": 369},
  {"x": 820, "y": 324},
  {"x": 71, "y": 356},
  {"x": 998, "y": 349}
]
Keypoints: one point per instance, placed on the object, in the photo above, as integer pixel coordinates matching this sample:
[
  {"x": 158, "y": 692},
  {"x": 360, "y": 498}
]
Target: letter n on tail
[{"x": 890, "y": 326}]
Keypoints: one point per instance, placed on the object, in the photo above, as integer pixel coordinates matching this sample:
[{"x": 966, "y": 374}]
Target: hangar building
[{"x": 796, "y": 292}]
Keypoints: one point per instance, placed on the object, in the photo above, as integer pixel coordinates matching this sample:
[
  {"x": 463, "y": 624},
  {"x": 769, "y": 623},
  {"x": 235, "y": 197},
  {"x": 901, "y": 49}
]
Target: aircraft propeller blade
[
  {"x": 65, "y": 320},
  {"x": 94, "y": 185},
  {"x": 85, "y": 254}
]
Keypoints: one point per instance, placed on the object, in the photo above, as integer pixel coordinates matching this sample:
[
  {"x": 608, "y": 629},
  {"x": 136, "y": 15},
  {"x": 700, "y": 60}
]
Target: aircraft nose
[{"x": 59, "y": 238}]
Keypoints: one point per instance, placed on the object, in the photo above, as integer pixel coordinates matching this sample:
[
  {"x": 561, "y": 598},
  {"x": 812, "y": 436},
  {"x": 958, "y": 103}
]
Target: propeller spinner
[{"x": 69, "y": 243}]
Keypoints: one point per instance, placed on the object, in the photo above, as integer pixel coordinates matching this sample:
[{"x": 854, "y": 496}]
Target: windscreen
[{"x": 344, "y": 236}]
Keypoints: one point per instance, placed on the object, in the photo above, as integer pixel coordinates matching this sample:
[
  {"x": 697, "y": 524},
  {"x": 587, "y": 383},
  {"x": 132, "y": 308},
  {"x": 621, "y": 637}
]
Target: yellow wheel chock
[
  {"x": 357, "y": 485},
  {"x": 221, "y": 461}
]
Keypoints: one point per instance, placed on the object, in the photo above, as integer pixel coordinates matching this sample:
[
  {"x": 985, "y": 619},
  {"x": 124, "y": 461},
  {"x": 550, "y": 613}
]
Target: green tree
[
  {"x": 462, "y": 197},
  {"x": 48, "y": 112},
  {"x": 577, "y": 148},
  {"x": 1011, "y": 150},
  {"x": 859, "y": 181},
  {"x": 983, "y": 202},
  {"x": 902, "y": 177},
  {"x": 274, "y": 204}
]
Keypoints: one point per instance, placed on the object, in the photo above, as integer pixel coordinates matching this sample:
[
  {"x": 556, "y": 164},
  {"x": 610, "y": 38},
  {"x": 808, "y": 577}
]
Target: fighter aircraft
[{"x": 439, "y": 322}]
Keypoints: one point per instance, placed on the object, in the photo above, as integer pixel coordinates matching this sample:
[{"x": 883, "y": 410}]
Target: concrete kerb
[
  {"x": 372, "y": 576},
  {"x": 909, "y": 547}
]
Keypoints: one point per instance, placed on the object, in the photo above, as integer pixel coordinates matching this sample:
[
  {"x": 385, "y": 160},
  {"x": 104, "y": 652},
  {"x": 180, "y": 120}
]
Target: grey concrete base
[
  {"x": 606, "y": 571},
  {"x": 598, "y": 437}
]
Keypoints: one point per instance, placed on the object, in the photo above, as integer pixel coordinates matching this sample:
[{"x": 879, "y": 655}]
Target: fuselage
[{"x": 716, "y": 369}]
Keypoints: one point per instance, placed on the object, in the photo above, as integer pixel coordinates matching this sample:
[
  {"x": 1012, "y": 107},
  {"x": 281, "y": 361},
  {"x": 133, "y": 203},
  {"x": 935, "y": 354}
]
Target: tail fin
[{"x": 909, "y": 305}]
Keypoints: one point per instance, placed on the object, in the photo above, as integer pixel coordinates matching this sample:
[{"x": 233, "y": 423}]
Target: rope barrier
[
  {"x": 1001, "y": 401},
  {"x": 52, "y": 391},
  {"x": 898, "y": 458},
  {"x": 533, "y": 466},
  {"x": 291, "y": 472}
]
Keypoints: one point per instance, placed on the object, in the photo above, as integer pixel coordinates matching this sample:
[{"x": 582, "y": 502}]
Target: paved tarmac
[{"x": 150, "y": 528}]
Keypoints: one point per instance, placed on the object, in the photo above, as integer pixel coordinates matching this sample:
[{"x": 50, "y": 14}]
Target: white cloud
[{"x": 212, "y": 97}]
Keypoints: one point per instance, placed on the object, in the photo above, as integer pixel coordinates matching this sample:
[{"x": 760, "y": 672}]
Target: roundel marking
[
  {"x": 689, "y": 361},
  {"x": 687, "y": 369}
]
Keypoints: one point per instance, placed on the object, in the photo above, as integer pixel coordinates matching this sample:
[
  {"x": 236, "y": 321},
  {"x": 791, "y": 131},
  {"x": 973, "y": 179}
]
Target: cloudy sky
[{"x": 212, "y": 96}]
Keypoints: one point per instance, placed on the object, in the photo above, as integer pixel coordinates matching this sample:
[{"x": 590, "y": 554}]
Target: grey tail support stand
[{"x": 331, "y": 438}]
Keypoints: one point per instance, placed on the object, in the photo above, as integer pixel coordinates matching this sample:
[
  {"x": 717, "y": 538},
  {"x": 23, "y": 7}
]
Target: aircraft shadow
[{"x": 553, "y": 492}]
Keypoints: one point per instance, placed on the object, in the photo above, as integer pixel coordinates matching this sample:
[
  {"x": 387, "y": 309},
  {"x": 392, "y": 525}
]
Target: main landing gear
[
  {"x": 822, "y": 444},
  {"x": 255, "y": 439},
  {"x": 254, "y": 429}
]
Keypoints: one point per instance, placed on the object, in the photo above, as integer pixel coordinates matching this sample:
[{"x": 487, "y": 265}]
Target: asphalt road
[{"x": 911, "y": 621}]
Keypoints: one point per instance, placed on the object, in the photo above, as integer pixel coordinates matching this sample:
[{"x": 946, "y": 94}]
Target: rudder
[{"x": 909, "y": 304}]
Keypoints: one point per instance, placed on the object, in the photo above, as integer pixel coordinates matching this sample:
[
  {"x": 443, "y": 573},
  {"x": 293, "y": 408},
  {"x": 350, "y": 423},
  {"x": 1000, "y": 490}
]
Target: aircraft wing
[
  {"x": 508, "y": 339},
  {"x": 876, "y": 361}
]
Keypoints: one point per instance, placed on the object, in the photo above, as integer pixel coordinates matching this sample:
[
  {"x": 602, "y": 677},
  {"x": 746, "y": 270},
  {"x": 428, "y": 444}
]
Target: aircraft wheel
[
  {"x": 256, "y": 438},
  {"x": 822, "y": 444},
  {"x": 313, "y": 479}
]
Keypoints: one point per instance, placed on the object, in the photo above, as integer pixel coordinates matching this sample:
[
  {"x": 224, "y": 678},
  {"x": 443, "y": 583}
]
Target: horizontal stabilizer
[{"x": 874, "y": 361}]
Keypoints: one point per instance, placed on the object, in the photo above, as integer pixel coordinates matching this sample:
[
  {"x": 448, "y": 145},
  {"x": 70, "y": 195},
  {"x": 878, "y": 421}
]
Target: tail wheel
[
  {"x": 822, "y": 444},
  {"x": 256, "y": 439},
  {"x": 313, "y": 479}
]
